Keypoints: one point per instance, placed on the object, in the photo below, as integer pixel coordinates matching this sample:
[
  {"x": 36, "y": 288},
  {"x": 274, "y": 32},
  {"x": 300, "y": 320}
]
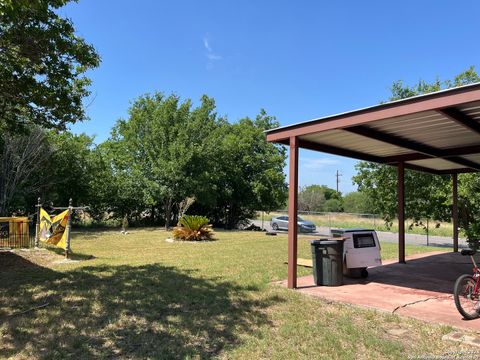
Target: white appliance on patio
[{"x": 361, "y": 249}]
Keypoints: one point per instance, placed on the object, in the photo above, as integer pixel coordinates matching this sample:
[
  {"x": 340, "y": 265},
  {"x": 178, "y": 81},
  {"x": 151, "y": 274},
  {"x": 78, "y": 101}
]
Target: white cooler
[{"x": 361, "y": 250}]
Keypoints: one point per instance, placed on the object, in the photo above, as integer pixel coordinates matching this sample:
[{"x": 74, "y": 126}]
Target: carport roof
[{"x": 437, "y": 132}]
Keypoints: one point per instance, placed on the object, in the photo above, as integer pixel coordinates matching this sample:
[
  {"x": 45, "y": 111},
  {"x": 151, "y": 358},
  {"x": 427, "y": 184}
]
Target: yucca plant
[{"x": 193, "y": 228}]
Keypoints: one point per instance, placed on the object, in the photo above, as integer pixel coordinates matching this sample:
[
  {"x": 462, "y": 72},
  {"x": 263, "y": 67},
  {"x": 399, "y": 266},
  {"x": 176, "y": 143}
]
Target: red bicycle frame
[{"x": 476, "y": 275}]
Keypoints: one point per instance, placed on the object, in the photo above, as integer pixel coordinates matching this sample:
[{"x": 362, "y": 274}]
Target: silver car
[{"x": 281, "y": 223}]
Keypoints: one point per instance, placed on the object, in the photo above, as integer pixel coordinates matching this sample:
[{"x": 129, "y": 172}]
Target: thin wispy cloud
[
  {"x": 207, "y": 44},
  {"x": 210, "y": 54},
  {"x": 317, "y": 164},
  {"x": 213, "y": 57}
]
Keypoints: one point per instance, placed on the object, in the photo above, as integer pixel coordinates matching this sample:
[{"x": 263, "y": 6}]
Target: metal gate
[{"x": 16, "y": 233}]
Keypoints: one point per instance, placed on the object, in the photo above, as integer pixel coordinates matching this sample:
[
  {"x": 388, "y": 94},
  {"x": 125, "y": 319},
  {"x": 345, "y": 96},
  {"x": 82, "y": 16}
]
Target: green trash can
[{"x": 327, "y": 259}]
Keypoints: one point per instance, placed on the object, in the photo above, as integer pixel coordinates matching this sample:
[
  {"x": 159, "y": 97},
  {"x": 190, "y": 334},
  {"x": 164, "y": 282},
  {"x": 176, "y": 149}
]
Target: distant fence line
[
  {"x": 330, "y": 218},
  {"x": 374, "y": 221},
  {"x": 327, "y": 213}
]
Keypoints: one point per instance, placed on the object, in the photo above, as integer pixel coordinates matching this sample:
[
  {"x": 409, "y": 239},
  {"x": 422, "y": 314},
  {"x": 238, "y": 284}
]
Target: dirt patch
[
  {"x": 469, "y": 339},
  {"x": 28, "y": 257}
]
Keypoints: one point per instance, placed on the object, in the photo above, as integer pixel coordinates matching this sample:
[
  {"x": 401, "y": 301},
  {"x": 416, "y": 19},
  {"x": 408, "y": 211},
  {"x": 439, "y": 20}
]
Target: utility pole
[{"x": 338, "y": 174}]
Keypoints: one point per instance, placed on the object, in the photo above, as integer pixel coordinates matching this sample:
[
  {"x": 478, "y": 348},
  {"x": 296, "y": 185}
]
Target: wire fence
[
  {"x": 17, "y": 234},
  {"x": 329, "y": 220}
]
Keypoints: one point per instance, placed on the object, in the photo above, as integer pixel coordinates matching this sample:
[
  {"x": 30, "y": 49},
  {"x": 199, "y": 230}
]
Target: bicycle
[{"x": 466, "y": 291}]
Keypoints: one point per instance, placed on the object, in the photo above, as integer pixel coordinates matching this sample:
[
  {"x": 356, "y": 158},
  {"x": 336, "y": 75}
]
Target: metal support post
[
  {"x": 37, "y": 225},
  {"x": 69, "y": 228}
]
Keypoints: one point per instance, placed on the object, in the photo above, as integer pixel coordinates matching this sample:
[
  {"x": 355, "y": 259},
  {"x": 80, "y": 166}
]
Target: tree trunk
[{"x": 168, "y": 213}]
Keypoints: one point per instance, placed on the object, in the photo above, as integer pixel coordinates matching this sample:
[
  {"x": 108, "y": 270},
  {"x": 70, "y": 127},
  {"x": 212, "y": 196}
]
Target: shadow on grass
[
  {"x": 123, "y": 311},
  {"x": 71, "y": 256},
  {"x": 16, "y": 270}
]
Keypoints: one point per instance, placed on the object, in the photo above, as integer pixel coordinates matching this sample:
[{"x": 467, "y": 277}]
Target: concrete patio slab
[{"x": 422, "y": 288}]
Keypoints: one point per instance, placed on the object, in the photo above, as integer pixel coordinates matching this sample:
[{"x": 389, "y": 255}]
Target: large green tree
[
  {"x": 161, "y": 149},
  {"x": 42, "y": 66},
  {"x": 469, "y": 206},
  {"x": 113, "y": 188},
  {"x": 319, "y": 198},
  {"x": 246, "y": 171},
  {"x": 167, "y": 150},
  {"x": 357, "y": 202},
  {"x": 426, "y": 195},
  {"x": 70, "y": 171}
]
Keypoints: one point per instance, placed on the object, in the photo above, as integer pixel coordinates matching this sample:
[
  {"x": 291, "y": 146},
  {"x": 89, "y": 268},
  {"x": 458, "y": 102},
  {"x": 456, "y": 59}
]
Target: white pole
[{"x": 69, "y": 227}]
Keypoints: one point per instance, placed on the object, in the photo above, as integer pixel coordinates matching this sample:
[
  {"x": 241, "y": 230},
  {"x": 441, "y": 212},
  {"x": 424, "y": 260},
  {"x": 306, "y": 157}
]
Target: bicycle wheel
[{"x": 466, "y": 299}]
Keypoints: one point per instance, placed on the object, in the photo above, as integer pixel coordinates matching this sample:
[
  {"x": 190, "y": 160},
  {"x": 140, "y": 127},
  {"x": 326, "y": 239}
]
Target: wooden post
[
  {"x": 37, "y": 225},
  {"x": 292, "y": 213},
  {"x": 69, "y": 227},
  {"x": 401, "y": 211},
  {"x": 455, "y": 211}
]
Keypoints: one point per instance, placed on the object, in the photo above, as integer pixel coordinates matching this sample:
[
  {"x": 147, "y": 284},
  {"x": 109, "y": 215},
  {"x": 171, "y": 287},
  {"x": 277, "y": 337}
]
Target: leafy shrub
[
  {"x": 472, "y": 232},
  {"x": 193, "y": 228}
]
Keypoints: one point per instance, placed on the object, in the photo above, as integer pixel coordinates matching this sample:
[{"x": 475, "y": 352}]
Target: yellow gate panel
[{"x": 18, "y": 231}]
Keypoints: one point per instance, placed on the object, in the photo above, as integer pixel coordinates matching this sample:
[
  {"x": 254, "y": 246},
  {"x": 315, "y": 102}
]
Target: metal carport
[{"x": 438, "y": 133}]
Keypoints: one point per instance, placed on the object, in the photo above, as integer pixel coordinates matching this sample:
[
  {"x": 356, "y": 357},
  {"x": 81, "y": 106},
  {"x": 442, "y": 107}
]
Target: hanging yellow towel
[{"x": 53, "y": 231}]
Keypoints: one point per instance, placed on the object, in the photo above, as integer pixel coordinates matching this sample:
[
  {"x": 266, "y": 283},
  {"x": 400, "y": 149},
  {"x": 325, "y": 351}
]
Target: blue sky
[{"x": 297, "y": 59}]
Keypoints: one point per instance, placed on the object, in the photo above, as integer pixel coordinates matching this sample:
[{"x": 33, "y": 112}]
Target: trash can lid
[
  {"x": 318, "y": 242},
  {"x": 329, "y": 242}
]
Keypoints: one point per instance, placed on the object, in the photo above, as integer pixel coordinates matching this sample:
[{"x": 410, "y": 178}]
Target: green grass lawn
[{"x": 141, "y": 297}]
